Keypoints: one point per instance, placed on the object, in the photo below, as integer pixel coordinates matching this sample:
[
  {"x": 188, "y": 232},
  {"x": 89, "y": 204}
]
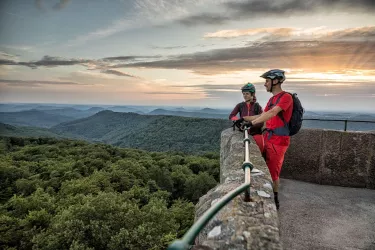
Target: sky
[{"x": 187, "y": 52}]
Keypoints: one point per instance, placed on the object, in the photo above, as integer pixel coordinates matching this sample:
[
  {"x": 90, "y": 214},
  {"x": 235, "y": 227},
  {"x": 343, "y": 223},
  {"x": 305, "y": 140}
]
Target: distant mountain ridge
[
  {"x": 34, "y": 118},
  {"x": 189, "y": 131},
  {"x": 363, "y": 118},
  {"x": 149, "y": 132},
  {"x": 95, "y": 109},
  {"x": 124, "y": 109},
  {"x": 188, "y": 114},
  {"x": 20, "y": 131},
  {"x": 215, "y": 111},
  {"x": 69, "y": 112},
  {"x": 39, "y": 115}
]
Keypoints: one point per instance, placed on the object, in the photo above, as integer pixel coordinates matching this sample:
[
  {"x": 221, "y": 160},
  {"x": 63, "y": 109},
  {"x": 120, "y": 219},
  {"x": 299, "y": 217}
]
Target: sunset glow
[{"x": 186, "y": 53}]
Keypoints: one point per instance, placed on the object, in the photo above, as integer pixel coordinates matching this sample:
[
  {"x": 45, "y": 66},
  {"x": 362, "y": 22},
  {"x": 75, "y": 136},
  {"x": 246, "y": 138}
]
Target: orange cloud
[
  {"x": 250, "y": 32},
  {"x": 318, "y": 33}
]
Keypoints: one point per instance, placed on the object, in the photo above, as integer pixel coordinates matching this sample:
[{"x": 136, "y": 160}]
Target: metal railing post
[
  {"x": 247, "y": 165},
  {"x": 346, "y": 125}
]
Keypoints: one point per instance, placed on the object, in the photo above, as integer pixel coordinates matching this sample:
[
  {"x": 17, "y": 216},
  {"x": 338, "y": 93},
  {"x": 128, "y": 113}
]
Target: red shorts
[
  {"x": 274, "y": 156},
  {"x": 259, "y": 141}
]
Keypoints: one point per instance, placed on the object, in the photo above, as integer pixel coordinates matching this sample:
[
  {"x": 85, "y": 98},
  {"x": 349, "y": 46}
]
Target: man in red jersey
[{"x": 277, "y": 115}]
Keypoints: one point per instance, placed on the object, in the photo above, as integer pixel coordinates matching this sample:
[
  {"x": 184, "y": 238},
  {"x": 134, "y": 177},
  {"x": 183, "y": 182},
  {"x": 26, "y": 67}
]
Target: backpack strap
[
  {"x": 241, "y": 104},
  {"x": 256, "y": 108},
  {"x": 280, "y": 114},
  {"x": 281, "y": 130},
  {"x": 277, "y": 101}
]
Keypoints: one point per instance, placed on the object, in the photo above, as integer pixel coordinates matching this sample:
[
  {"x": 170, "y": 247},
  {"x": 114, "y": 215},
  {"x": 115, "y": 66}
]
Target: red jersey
[{"x": 286, "y": 104}]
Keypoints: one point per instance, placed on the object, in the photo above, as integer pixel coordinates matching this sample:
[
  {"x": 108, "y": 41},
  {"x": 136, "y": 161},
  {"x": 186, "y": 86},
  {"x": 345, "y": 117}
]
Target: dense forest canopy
[{"x": 70, "y": 194}]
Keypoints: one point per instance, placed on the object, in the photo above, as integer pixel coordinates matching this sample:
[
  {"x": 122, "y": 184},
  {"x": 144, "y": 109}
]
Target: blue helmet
[{"x": 275, "y": 74}]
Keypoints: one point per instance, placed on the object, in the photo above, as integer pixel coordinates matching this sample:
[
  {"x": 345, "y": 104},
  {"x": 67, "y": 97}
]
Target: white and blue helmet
[{"x": 275, "y": 74}]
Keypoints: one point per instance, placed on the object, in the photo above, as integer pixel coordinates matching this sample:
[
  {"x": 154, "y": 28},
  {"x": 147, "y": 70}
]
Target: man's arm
[
  {"x": 264, "y": 116},
  {"x": 251, "y": 118}
]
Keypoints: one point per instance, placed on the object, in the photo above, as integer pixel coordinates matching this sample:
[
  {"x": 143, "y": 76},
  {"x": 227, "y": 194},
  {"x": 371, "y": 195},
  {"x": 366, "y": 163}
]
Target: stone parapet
[
  {"x": 240, "y": 225},
  {"x": 330, "y": 157}
]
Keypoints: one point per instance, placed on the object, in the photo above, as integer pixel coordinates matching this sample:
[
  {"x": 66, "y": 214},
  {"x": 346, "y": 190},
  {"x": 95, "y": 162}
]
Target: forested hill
[
  {"x": 149, "y": 132},
  {"x": 209, "y": 113},
  {"x": 25, "y": 131},
  {"x": 35, "y": 118},
  {"x": 69, "y": 194}
]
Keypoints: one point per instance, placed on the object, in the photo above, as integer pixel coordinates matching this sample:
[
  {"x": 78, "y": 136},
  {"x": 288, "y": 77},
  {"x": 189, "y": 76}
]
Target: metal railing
[
  {"x": 337, "y": 120},
  {"x": 187, "y": 240}
]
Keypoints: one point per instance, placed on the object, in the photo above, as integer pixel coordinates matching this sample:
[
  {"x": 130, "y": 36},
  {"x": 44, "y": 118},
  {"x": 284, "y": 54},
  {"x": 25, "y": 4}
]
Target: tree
[
  {"x": 198, "y": 185},
  {"x": 65, "y": 194}
]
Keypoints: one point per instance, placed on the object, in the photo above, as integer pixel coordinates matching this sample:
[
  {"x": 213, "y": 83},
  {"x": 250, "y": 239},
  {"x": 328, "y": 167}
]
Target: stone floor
[{"x": 321, "y": 217}]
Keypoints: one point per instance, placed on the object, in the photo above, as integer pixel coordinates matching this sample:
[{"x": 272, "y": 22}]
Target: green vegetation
[
  {"x": 130, "y": 130},
  {"x": 154, "y": 133},
  {"x": 35, "y": 118},
  {"x": 69, "y": 194},
  {"x": 25, "y": 131}
]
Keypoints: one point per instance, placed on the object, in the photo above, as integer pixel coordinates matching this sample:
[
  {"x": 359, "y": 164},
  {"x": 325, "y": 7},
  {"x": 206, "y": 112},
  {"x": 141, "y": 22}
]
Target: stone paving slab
[{"x": 318, "y": 217}]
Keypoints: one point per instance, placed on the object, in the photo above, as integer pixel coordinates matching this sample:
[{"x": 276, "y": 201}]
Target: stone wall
[
  {"x": 332, "y": 158},
  {"x": 319, "y": 156},
  {"x": 240, "y": 225}
]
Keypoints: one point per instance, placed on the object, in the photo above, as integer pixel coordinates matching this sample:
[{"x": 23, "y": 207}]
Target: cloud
[
  {"x": 169, "y": 47},
  {"x": 287, "y": 34},
  {"x": 36, "y": 82},
  {"x": 168, "y": 93},
  {"x": 155, "y": 13},
  {"x": 308, "y": 55},
  {"x": 250, "y": 9},
  {"x": 93, "y": 77},
  {"x": 249, "y": 32},
  {"x": 12, "y": 14},
  {"x": 116, "y": 26},
  {"x": 58, "y": 61},
  {"x": 47, "y": 61},
  {"x": 117, "y": 73},
  {"x": 7, "y": 62},
  {"x": 217, "y": 87},
  {"x": 90, "y": 64},
  {"x": 7, "y": 57},
  {"x": 58, "y": 6},
  {"x": 51, "y": 61},
  {"x": 204, "y": 18},
  {"x": 127, "y": 58},
  {"x": 360, "y": 33},
  {"x": 312, "y": 56},
  {"x": 38, "y": 4},
  {"x": 138, "y": 14},
  {"x": 18, "y": 47}
]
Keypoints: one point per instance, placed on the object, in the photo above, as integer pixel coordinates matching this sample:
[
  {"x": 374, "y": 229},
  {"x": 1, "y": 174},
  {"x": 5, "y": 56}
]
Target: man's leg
[
  {"x": 276, "y": 193},
  {"x": 274, "y": 159},
  {"x": 276, "y": 185}
]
